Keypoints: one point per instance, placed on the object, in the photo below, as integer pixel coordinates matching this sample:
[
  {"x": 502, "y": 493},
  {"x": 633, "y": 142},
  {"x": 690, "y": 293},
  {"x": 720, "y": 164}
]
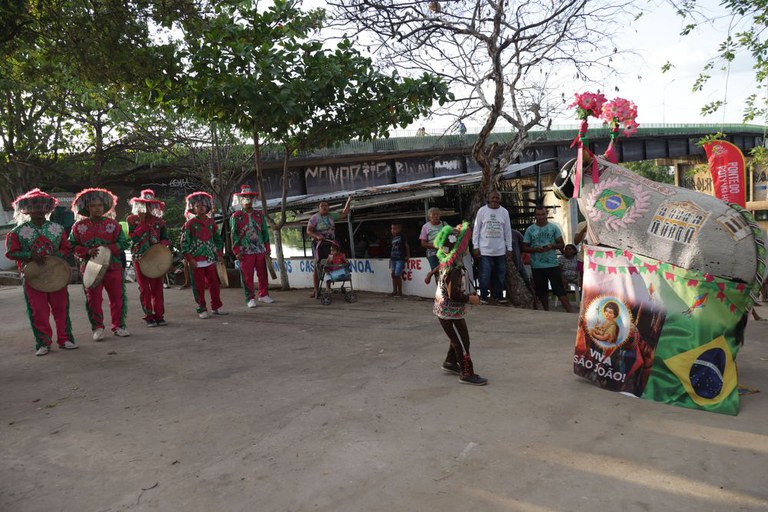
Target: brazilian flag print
[
  {"x": 659, "y": 331},
  {"x": 614, "y": 203}
]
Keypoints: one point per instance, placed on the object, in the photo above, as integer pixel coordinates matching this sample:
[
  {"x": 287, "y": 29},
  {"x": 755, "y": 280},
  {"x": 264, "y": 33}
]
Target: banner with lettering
[
  {"x": 726, "y": 163},
  {"x": 659, "y": 332}
]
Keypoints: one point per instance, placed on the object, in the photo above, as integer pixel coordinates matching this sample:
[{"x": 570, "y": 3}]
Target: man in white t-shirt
[{"x": 492, "y": 242}]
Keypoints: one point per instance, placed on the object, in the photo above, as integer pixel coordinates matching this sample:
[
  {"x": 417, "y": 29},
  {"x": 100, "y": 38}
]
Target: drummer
[
  {"x": 202, "y": 248},
  {"x": 147, "y": 228},
  {"x": 92, "y": 230},
  {"x": 250, "y": 243},
  {"x": 35, "y": 238}
]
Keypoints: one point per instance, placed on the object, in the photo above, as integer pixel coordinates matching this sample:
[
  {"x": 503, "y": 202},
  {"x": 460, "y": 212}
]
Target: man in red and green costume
[
  {"x": 202, "y": 247},
  {"x": 34, "y": 239},
  {"x": 250, "y": 243},
  {"x": 147, "y": 228},
  {"x": 92, "y": 230}
]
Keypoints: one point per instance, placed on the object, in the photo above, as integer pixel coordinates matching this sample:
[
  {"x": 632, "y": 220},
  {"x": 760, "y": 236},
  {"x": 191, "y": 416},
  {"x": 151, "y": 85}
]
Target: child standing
[
  {"x": 202, "y": 248},
  {"x": 427, "y": 236},
  {"x": 146, "y": 228},
  {"x": 451, "y": 299},
  {"x": 93, "y": 230},
  {"x": 34, "y": 239},
  {"x": 399, "y": 254}
]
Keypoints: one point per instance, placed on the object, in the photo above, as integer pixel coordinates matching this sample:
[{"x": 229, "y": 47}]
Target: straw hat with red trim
[
  {"x": 89, "y": 195},
  {"x": 196, "y": 198},
  {"x": 35, "y": 201},
  {"x": 146, "y": 202},
  {"x": 246, "y": 195}
]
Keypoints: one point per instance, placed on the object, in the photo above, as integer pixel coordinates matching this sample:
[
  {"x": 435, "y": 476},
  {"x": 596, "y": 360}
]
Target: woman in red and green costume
[
  {"x": 94, "y": 229},
  {"x": 250, "y": 243},
  {"x": 147, "y": 228},
  {"x": 202, "y": 247},
  {"x": 34, "y": 239}
]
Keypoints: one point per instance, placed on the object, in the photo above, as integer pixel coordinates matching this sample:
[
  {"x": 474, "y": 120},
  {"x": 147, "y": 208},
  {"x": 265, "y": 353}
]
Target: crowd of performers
[{"x": 96, "y": 234}]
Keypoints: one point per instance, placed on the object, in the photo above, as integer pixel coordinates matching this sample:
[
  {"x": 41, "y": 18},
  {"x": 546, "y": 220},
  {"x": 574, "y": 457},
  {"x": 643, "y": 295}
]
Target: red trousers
[
  {"x": 41, "y": 305},
  {"x": 115, "y": 286},
  {"x": 202, "y": 278},
  {"x": 247, "y": 264},
  {"x": 150, "y": 295}
]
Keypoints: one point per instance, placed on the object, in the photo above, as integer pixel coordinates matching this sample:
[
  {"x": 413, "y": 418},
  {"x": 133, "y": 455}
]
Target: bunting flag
[
  {"x": 729, "y": 179},
  {"x": 660, "y": 332}
]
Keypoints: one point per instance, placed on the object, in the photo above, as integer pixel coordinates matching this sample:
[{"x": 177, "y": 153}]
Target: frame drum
[
  {"x": 221, "y": 269},
  {"x": 156, "y": 262},
  {"x": 51, "y": 276},
  {"x": 96, "y": 267}
]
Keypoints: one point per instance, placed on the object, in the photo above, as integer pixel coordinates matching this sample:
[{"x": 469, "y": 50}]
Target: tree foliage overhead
[
  {"x": 747, "y": 35},
  {"x": 263, "y": 70}
]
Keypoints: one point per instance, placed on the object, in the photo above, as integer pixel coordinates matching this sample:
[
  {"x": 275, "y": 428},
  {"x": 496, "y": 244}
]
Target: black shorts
[
  {"x": 322, "y": 249},
  {"x": 551, "y": 275}
]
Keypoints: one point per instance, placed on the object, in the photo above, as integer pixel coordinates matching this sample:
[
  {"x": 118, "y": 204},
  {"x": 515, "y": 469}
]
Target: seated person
[
  {"x": 570, "y": 266},
  {"x": 335, "y": 264}
]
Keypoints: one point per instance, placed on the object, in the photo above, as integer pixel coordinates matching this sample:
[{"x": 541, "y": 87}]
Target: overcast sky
[{"x": 668, "y": 97}]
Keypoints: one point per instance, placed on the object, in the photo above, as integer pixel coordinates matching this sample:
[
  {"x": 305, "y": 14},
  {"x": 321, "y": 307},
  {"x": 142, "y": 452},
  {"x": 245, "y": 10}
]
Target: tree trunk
[{"x": 519, "y": 294}]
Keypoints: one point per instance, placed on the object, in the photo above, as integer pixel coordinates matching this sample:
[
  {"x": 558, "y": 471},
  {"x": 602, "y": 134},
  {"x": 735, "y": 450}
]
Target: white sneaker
[
  {"x": 98, "y": 334},
  {"x": 204, "y": 315},
  {"x": 42, "y": 351},
  {"x": 252, "y": 303},
  {"x": 266, "y": 299},
  {"x": 123, "y": 333},
  {"x": 219, "y": 312},
  {"x": 69, "y": 345}
]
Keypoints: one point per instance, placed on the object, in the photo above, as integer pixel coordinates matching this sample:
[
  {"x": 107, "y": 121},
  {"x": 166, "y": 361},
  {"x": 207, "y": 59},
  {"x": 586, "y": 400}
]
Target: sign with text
[
  {"x": 333, "y": 178},
  {"x": 413, "y": 169},
  {"x": 449, "y": 167},
  {"x": 726, "y": 163},
  {"x": 368, "y": 274}
]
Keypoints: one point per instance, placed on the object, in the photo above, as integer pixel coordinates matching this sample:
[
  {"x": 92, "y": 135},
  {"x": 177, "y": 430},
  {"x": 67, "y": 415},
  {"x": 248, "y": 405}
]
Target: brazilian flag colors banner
[{"x": 660, "y": 332}]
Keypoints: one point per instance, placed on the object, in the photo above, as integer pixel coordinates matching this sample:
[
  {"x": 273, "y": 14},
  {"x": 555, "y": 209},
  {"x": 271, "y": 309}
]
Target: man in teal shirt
[{"x": 542, "y": 240}]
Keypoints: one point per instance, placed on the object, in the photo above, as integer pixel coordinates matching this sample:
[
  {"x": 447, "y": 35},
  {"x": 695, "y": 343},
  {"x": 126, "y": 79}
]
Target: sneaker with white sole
[
  {"x": 266, "y": 299},
  {"x": 68, "y": 345},
  {"x": 204, "y": 315},
  {"x": 252, "y": 303},
  {"x": 98, "y": 334},
  {"x": 42, "y": 351},
  {"x": 161, "y": 323},
  {"x": 122, "y": 332},
  {"x": 219, "y": 312}
]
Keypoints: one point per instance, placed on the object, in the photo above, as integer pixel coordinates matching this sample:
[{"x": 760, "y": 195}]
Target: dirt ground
[{"x": 300, "y": 407}]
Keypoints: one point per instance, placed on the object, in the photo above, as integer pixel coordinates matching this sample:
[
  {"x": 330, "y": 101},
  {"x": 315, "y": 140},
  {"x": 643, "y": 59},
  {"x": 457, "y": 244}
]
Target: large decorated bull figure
[{"x": 669, "y": 277}]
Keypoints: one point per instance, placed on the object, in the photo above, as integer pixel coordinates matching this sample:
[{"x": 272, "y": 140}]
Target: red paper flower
[{"x": 588, "y": 104}]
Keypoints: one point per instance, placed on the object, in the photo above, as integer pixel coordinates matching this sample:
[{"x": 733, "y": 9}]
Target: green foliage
[
  {"x": 648, "y": 169},
  {"x": 708, "y": 139},
  {"x": 746, "y": 36},
  {"x": 261, "y": 71}
]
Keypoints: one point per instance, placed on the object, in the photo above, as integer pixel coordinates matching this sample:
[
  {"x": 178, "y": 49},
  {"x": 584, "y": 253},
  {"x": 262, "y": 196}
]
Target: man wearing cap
[
  {"x": 202, "y": 248},
  {"x": 92, "y": 230},
  {"x": 250, "y": 243},
  {"x": 35, "y": 238},
  {"x": 147, "y": 228}
]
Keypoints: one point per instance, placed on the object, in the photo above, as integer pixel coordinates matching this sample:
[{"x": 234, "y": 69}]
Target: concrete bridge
[{"x": 362, "y": 164}]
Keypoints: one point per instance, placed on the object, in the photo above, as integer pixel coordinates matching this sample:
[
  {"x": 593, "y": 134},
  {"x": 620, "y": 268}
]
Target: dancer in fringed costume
[
  {"x": 250, "y": 243},
  {"x": 202, "y": 247},
  {"x": 95, "y": 228},
  {"x": 451, "y": 298},
  {"x": 146, "y": 228},
  {"x": 35, "y": 238}
]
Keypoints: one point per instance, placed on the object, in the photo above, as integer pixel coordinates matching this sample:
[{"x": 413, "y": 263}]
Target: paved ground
[{"x": 300, "y": 407}]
